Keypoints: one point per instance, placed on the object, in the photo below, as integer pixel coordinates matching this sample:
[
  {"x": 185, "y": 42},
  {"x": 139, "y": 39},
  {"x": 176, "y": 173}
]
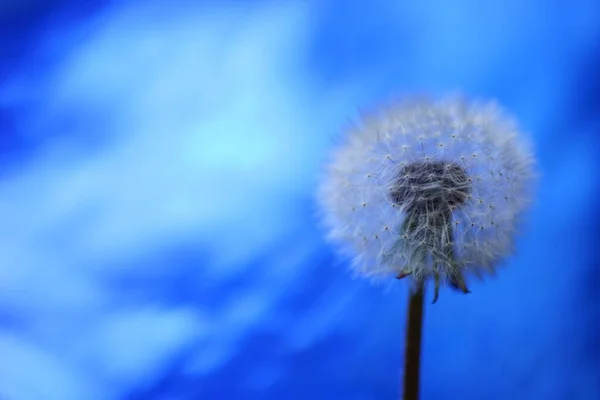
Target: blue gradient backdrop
[{"x": 157, "y": 167}]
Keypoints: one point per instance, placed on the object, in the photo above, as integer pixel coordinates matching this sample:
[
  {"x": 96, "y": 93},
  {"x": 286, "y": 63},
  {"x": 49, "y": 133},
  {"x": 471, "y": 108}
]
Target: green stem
[{"x": 412, "y": 357}]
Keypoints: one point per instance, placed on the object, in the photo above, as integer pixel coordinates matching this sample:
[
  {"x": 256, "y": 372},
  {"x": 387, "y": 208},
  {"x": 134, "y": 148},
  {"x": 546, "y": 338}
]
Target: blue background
[{"x": 158, "y": 161}]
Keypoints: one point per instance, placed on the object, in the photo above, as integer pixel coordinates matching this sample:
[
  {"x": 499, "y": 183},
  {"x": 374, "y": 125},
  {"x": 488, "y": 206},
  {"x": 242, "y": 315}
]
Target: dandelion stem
[{"x": 412, "y": 356}]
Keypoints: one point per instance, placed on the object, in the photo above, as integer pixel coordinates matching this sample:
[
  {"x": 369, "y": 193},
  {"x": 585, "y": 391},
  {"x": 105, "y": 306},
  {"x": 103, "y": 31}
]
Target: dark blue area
[{"x": 24, "y": 61}]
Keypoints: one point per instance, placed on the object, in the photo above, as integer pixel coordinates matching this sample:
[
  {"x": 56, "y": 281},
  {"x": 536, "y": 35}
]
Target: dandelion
[{"x": 431, "y": 190}]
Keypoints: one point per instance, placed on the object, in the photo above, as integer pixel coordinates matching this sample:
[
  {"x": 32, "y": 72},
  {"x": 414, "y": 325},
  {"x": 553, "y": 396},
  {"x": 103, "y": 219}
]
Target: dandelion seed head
[{"x": 428, "y": 188}]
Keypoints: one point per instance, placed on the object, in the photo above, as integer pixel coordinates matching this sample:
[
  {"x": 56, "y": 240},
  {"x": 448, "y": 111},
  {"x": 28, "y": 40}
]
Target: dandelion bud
[{"x": 428, "y": 190}]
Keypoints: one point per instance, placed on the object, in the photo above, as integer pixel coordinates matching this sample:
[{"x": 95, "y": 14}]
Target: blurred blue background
[{"x": 157, "y": 167}]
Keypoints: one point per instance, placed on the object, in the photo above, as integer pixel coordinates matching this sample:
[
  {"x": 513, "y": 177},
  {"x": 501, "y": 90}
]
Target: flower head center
[{"x": 430, "y": 186}]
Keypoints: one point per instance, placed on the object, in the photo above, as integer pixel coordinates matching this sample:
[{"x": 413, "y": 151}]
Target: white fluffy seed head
[{"x": 428, "y": 189}]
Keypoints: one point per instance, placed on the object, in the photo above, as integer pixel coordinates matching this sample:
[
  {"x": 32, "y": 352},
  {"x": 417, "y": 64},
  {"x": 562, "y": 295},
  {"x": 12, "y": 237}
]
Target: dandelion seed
[{"x": 424, "y": 192}]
